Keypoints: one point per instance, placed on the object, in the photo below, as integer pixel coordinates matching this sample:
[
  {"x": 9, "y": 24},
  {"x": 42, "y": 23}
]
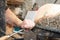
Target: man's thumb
[{"x": 4, "y": 37}]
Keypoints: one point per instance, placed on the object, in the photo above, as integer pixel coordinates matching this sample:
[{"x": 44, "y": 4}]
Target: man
[{"x": 48, "y": 10}]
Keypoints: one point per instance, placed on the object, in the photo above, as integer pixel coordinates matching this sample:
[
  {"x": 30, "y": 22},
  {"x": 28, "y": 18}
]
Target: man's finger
[{"x": 4, "y": 38}]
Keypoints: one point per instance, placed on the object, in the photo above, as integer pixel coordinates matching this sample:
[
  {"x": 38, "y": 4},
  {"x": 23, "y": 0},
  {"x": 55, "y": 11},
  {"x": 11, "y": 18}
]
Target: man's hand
[
  {"x": 28, "y": 24},
  {"x": 4, "y": 38}
]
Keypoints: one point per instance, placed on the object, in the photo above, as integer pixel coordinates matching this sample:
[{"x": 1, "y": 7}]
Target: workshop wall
[{"x": 42, "y": 2}]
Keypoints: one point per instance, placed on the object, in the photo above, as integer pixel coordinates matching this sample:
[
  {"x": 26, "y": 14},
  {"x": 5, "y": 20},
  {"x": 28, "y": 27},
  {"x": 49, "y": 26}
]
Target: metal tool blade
[
  {"x": 20, "y": 31},
  {"x": 30, "y": 15}
]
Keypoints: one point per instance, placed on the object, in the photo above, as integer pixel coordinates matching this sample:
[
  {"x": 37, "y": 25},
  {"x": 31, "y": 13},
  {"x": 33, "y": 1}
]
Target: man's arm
[
  {"x": 4, "y": 37},
  {"x": 10, "y": 16}
]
